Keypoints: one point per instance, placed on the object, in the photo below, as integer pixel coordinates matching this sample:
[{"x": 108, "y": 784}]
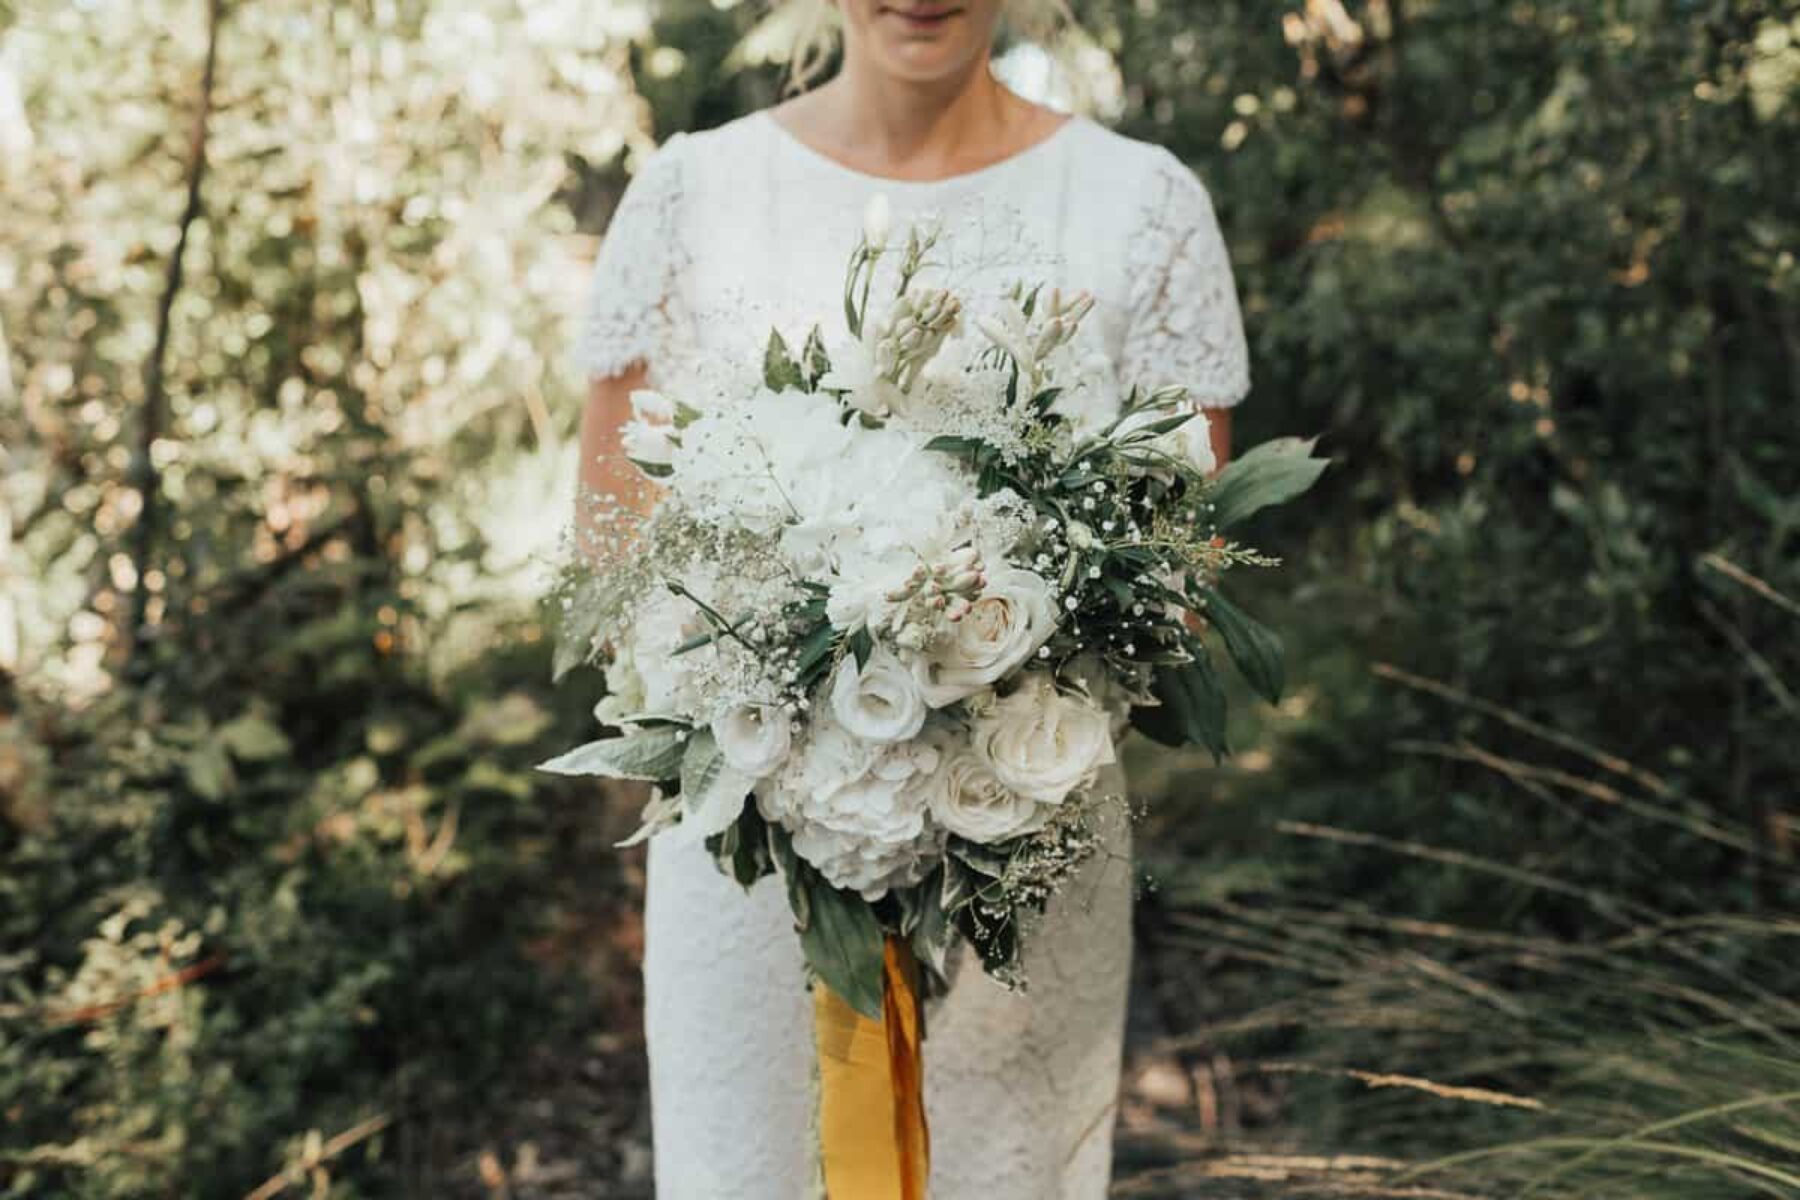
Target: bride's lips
[{"x": 923, "y": 18}]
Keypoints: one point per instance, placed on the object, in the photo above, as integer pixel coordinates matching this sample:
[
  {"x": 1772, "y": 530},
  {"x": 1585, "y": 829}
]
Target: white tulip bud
[{"x": 877, "y": 218}]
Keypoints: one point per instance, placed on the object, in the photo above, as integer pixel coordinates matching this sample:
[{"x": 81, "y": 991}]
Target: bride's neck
[{"x": 907, "y": 125}]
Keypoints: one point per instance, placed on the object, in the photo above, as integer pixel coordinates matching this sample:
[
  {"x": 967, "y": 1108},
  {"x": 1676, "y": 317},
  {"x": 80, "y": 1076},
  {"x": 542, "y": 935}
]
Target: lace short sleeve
[
  {"x": 632, "y": 308},
  {"x": 1185, "y": 326}
]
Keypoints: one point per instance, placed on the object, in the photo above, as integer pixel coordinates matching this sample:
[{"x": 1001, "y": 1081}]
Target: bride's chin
[{"x": 924, "y": 62}]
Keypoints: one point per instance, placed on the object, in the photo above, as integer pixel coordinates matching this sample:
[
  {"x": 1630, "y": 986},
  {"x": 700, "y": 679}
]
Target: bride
[{"x": 724, "y": 232}]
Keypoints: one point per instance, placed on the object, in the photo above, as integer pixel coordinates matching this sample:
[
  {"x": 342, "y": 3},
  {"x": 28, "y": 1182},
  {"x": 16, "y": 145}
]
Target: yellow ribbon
[{"x": 873, "y": 1144}]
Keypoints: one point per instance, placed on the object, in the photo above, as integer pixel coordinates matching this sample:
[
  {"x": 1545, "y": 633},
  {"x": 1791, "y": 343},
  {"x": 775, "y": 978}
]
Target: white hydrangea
[{"x": 856, "y": 810}]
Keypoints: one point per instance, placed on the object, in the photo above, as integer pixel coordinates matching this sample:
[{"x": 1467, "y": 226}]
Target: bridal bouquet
[{"x": 897, "y": 595}]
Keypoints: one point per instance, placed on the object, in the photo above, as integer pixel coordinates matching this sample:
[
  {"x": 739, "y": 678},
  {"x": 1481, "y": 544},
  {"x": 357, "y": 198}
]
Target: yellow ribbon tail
[{"x": 873, "y": 1143}]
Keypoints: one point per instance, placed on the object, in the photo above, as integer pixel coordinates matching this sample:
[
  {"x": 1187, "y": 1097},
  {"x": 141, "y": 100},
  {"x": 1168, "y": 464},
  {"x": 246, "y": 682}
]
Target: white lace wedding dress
[{"x": 720, "y": 235}]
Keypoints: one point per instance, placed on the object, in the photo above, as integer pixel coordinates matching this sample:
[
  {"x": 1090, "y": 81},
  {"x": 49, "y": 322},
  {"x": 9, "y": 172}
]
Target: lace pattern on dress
[
  {"x": 1185, "y": 324},
  {"x": 712, "y": 246},
  {"x": 634, "y": 314}
]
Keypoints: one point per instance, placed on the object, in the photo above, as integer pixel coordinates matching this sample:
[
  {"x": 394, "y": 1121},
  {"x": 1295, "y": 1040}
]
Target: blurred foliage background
[{"x": 1501, "y": 901}]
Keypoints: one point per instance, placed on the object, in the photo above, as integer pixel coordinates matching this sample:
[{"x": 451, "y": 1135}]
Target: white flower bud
[{"x": 877, "y": 218}]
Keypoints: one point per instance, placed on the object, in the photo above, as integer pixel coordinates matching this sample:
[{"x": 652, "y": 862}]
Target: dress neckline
[{"x": 821, "y": 159}]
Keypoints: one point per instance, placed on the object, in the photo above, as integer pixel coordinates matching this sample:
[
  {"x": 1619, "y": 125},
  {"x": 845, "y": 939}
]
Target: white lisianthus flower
[
  {"x": 1043, "y": 743},
  {"x": 969, "y": 800},
  {"x": 754, "y": 738},
  {"x": 880, "y": 701},
  {"x": 1012, "y": 618}
]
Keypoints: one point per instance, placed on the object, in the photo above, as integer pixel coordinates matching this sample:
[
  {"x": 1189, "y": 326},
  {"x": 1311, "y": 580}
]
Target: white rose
[
  {"x": 1012, "y": 618},
  {"x": 879, "y": 702},
  {"x": 754, "y": 738},
  {"x": 1043, "y": 743},
  {"x": 969, "y": 800}
]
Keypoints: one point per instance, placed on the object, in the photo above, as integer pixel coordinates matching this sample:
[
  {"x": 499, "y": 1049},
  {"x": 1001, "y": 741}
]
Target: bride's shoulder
[
  {"x": 690, "y": 162},
  {"x": 1141, "y": 187},
  {"x": 738, "y": 138},
  {"x": 1123, "y": 160}
]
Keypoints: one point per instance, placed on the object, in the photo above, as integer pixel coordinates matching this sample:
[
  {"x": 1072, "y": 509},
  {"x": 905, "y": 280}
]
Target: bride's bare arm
[
  {"x": 1218, "y": 422},
  {"x": 607, "y": 476},
  {"x": 605, "y": 471}
]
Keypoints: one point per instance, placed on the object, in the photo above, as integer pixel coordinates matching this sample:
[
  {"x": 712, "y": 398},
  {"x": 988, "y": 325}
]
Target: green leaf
[
  {"x": 959, "y": 886},
  {"x": 815, "y": 650},
  {"x": 1151, "y": 430},
  {"x": 750, "y": 859},
  {"x": 983, "y": 860},
  {"x": 843, "y": 944},
  {"x": 254, "y": 738},
  {"x": 839, "y": 934},
  {"x": 929, "y": 927},
  {"x": 208, "y": 770},
  {"x": 742, "y": 850},
  {"x": 862, "y": 645},
  {"x": 1272, "y": 473},
  {"x": 515, "y": 719},
  {"x": 994, "y": 934},
  {"x": 814, "y": 360},
  {"x": 780, "y": 371},
  {"x": 712, "y": 790},
  {"x": 653, "y": 754},
  {"x": 1192, "y": 711},
  {"x": 949, "y": 443},
  {"x": 1120, "y": 590},
  {"x": 1254, "y": 647}
]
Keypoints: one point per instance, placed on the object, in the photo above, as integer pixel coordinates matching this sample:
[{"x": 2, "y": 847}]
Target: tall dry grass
[{"x": 1649, "y": 1051}]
